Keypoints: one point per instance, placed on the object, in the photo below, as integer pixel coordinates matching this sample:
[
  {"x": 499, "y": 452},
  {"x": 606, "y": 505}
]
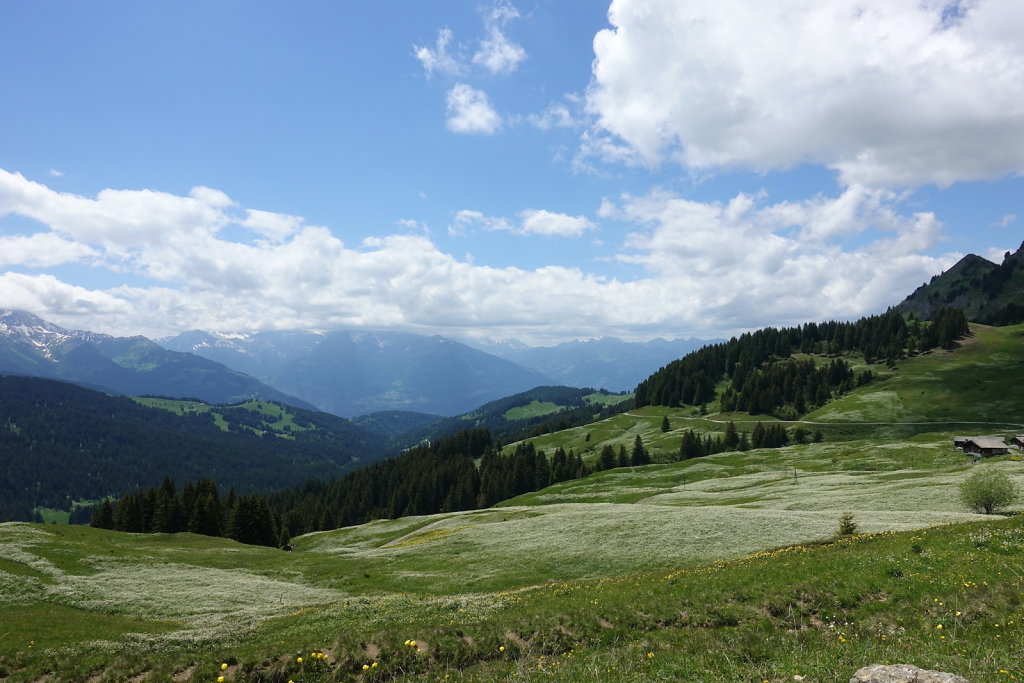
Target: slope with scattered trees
[{"x": 762, "y": 377}]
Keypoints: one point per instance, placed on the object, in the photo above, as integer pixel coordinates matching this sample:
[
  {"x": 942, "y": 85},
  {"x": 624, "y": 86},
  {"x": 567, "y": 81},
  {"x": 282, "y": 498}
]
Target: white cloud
[
  {"x": 557, "y": 115},
  {"x": 886, "y": 92},
  {"x": 745, "y": 260},
  {"x": 607, "y": 209},
  {"x": 41, "y": 250},
  {"x": 466, "y": 219},
  {"x": 117, "y": 220},
  {"x": 541, "y": 222},
  {"x": 470, "y": 111},
  {"x": 439, "y": 58},
  {"x": 45, "y": 294},
  {"x": 1004, "y": 220},
  {"x": 704, "y": 269},
  {"x": 272, "y": 226},
  {"x": 497, "y": 53},
  {"x": 531, "y": 222},
  {"x": 54, "y": 173},
  {"x": 414, "y": 225}
]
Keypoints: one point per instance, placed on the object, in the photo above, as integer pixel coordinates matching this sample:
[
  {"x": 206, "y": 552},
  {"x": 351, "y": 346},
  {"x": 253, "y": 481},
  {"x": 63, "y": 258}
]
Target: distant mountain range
[
  {"x": 354, "y": 373},
  {"x": 987, "y": 293},
  {"x": 135, "y": 366},
  {"x": 601, "y": 363},
  {"x": 346, "y": 373}
]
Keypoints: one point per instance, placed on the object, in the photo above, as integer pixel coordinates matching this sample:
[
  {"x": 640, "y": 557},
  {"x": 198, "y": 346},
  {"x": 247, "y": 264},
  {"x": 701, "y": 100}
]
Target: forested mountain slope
[
  {"x": 537, "y": 411},
  {"x": 790, "y": 371},
  {"x": 60, "y": 443},
  {"x": 988, "y": 293}
]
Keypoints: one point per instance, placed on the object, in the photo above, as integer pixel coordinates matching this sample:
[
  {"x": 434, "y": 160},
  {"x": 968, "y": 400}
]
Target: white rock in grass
[{"x": 903, "y": 673}]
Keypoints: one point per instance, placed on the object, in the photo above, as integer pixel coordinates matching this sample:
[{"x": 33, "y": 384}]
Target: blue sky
[{"x": 544, "y": 170}]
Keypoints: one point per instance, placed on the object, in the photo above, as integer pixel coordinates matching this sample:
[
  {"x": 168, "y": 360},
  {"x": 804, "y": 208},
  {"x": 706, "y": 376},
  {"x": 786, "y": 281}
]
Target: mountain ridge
[
  {"x": 600, "y": 362},
  {"x": 360, "y": 372},
  {"x": 987, "y": 292},
  {"x": 32, "y": 346}
]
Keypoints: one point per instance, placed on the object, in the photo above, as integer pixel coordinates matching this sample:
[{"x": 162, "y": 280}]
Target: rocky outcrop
[{"x": 903, "y": 673}]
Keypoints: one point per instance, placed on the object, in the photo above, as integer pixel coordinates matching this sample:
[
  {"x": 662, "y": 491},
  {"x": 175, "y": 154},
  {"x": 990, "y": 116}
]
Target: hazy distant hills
[
  {"x": 602, "y": 363},
  {"x": 135, "y": 366},
  {"x": 538, "y": 411},
  {"x": 988, "y": 293},
  {"x": 354, "y": 373}
]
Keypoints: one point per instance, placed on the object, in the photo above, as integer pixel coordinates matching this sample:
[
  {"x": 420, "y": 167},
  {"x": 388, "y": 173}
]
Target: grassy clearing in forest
[{"x": 533, "y": 409}]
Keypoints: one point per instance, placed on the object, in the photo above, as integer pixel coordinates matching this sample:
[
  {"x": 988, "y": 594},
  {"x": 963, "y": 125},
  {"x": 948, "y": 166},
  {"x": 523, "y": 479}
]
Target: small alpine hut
[
  {"x": 960, "y": 441},
  {"x": 986, "y": 445},
  {"x": 1017, "y": 441}
]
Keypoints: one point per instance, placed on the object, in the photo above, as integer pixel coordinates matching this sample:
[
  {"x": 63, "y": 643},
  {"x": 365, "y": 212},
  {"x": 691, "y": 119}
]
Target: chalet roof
[{"x": 987, "y": 442}]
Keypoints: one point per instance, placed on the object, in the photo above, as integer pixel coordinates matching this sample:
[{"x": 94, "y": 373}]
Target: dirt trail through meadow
[{"x": 841, "y": 424}]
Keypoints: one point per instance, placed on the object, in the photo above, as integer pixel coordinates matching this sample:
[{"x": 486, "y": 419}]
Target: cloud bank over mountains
[{"x": 707, "y": 268}]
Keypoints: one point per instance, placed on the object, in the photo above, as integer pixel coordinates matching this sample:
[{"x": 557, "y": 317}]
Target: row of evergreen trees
[
  {"x": 459, "y": 485},
  {"x": 609, "y": 458},
  {"x": 442, "y": 477},
  {"x": 764, "y": 435},
  {"x": 762, "y": 377},
  {"x": 198, "y": 509}
]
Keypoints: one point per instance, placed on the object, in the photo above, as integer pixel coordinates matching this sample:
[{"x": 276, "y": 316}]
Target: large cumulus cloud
[{"x": 886, "y": 92}]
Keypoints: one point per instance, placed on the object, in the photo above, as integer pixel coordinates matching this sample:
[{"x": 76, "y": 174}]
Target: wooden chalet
[
  {"x": 1017, "y": 441},
  {"x": 985, "y": 445}
]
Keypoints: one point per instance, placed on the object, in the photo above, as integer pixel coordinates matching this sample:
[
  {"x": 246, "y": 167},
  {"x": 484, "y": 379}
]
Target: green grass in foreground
[
  {"x": 594, "y": 574},
  {"x": 816, "y": 610}
]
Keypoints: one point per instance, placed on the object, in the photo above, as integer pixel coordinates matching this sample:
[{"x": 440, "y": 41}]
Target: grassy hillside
[
  {"x": 657, "y": 589},
  {"x": 724, "y": 568},
  {"x": 259, "y": 417},
  {"x": 980, "y": 381}
]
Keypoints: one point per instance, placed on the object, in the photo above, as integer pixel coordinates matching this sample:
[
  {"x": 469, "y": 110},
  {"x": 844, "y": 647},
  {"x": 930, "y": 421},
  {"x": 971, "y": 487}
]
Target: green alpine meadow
[
  {"x": 512, "y": 341},
  {"x": 847, "y": 541}
]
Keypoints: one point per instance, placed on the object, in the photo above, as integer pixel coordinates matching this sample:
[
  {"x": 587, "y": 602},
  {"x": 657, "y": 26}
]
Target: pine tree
[
  {"x": 690, "y": 447},
  {"x": 640, "y": 455},
  {"x": 103, "y": 518},
  {"x": 623, "y": 459},
  {"x": 732, "y": 438},
  {"x": 206, "y": 518}
]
